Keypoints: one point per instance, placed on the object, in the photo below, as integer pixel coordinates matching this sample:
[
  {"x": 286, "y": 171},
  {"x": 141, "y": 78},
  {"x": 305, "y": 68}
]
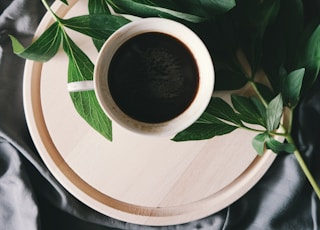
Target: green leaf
[
  {"x": 89, "y": 109},
  {"x": 249, "y": 113},
  {"x": 274, "y": 112},
  {"x": 259, "y": 142},
  {"x": 309, "y": 57},
  {"x": 42, "y": 49},
  {"x": 221, "y": 39},
  {"x": 143, "y": 10},
  {"x": 221, "y": 109},
  {"x": 99, "y": 26},
  {"x": 218, "y": 6},
  {"x": 281, "y": 40},
  {"x": 98, "y": 7},
  {"x": 291, "y": 87},
  {"x": 278, "y": 147},
  {"x": 205, "y": 128},
  {"x": 81, "y": 68}
]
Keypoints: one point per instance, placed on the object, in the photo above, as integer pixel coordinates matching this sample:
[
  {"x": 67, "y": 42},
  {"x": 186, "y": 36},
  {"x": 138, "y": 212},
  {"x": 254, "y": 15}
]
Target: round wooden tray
[{"x": 136, "y": 179}]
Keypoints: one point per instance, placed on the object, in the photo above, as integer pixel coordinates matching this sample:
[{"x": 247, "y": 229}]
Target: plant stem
[
  {"x": 304, "y": 167},
  {"x": 253, "y": 84},
  {"x": 251, "y": 129},
  {"x": 298, "y": 155},
  {"x": 288, "y": 137},
  {"x": 44, "y": 2}
]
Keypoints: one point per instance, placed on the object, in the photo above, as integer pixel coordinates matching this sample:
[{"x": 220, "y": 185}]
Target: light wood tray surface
[{"x": 136, "y": 179}]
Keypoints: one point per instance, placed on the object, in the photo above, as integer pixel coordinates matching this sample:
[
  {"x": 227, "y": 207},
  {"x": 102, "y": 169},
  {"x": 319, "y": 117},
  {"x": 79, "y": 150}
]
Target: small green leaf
[
  {"x": 143, "y": 10},
  {"x": 205, "y": 128},
  {"x": 81, "y": 68},
  {"x": 274, "y": 112},
  {"x": 221, "y": 109},
  {"x": 259, "y": 142},
  {"x": 278, "y": 147},
  {"x": 42, "y": 49},
  {"x": 99, "y": 26},
  {"x": 249, "y": 113},
  {"x": 291, "y": 87}
]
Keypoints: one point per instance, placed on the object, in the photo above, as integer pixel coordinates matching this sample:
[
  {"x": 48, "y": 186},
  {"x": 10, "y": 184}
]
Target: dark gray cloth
[{"x": 31, "y": 198}]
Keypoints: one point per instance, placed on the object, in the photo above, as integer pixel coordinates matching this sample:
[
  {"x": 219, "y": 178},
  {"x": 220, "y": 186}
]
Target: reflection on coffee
[{"x": 153, "y": 77}]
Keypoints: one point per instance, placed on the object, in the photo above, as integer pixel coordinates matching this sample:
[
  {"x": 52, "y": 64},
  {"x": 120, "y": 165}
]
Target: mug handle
[{"x": 79, "y": 86}]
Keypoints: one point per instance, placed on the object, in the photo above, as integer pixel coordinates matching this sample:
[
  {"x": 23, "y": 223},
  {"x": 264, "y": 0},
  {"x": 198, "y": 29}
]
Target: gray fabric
[{"x": 31, "y": 198}]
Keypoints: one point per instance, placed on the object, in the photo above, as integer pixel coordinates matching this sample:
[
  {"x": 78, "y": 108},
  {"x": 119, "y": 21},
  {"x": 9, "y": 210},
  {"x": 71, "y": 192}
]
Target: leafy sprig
[
  {"x": 291, "y": 65},
  {"x": 288, "y": 53}
]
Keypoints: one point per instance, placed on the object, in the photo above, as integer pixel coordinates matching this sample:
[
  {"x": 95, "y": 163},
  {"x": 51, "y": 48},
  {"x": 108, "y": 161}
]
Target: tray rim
[{"x": 154, "y": 216}]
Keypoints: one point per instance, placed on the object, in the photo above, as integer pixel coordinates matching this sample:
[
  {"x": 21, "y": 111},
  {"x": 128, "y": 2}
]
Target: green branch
[{"x": 304, "y": 167}]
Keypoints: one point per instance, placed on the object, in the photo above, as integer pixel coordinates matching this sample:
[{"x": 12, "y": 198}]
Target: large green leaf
[
  {"x": 43, "y": 48},
  {"x": 99, "y": 26},
  {"x": 221, "y": 39},
  {"x": 81, "y": 68},
  {"x": 206, "y": 127},
  {"x": 309, "y": 56},
  {"x": 141, "y": 9},
  {"x": 281, "y": 40},
  {"x": 251, "y": 19}
]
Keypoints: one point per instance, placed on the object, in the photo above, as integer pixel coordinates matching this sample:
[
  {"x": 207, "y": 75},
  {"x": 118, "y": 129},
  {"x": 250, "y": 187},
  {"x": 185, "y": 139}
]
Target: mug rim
[{"x": 197, "y": 49}]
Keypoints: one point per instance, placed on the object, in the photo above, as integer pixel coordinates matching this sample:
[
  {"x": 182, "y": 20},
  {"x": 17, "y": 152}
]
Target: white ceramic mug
[{"x": 100, "y": 83}]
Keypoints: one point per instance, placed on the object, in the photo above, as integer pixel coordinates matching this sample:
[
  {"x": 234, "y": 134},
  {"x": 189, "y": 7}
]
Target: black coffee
[{"x": 153, "y": 77}]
